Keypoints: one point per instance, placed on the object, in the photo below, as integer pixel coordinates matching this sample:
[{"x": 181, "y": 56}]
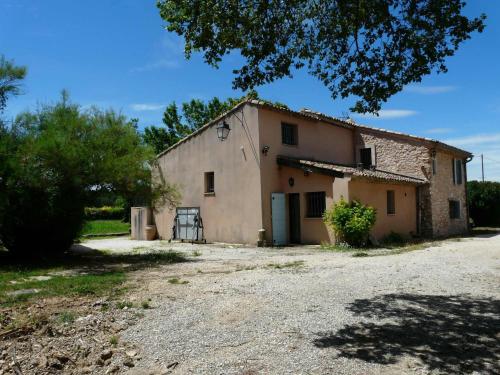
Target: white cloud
[
  {"x": 439, "y": 130},
  {"x": 147, "y": 107},
  {"x": 474, "y": 140},
  {"x": 173, "y": 44},
  {"x": 390, "y": 114},
  {"x": 160, "y": 64},
  {"x": 429, "y": 90}
]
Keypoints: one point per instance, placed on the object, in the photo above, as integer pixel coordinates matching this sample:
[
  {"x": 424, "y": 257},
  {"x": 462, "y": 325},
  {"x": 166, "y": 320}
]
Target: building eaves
[{"x": 340, "y": 170}]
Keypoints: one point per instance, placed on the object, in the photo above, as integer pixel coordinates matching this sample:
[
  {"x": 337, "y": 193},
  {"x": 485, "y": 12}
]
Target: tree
[
  {"x": 54, "y": 158},
  {"x": 10, "y": 80},
  {"x": 484, "y": 203},
  {"x": 195, "y": 114},
  {"x": 367, "y": 48}
]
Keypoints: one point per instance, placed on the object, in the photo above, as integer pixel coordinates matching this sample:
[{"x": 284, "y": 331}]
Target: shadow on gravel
[
  {"x": 452, "y": 334},
  {"x": 91, "y": 261}
]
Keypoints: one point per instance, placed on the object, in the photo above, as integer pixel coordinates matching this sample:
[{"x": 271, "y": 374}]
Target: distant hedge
[
  {"x": 104, "y": 213},
  {"x": 484, "y": 203}
]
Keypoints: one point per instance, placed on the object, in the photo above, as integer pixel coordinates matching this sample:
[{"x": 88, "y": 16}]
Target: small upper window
[
  {"x": 454, "y": 209},
  {"x": 289, "y": 134},
  {"x": 209, "y": 182},
  {"x": 457, "y": 171},
  {"x": 316, "y": 204},
  {"x": 391, "y": 202},
  {"x": 365, "y": 157}
]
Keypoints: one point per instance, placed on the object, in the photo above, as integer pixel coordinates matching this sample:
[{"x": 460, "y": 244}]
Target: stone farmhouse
[{"x": 264, "y": 170}]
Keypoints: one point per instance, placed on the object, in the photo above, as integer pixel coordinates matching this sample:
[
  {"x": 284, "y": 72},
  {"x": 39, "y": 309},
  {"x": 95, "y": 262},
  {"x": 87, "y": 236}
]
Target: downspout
[{"x": 467, "y": 159}]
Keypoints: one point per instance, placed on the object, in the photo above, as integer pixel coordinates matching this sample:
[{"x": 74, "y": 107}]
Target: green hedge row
[{"x": 104, "y": 213}]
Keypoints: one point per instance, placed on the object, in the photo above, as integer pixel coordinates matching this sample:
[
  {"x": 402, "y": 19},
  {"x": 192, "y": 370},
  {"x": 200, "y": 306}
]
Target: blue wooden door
[{"x": 278, "y": 212}]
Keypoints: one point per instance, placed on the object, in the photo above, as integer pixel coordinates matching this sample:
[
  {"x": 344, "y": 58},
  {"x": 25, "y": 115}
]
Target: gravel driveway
[{"x": 305, "y": 311}]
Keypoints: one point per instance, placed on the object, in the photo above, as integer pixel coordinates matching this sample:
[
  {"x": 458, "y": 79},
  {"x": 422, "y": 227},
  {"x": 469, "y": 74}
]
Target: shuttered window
[
  {"x": 289, "y": 134},
  {"x": 316, "y": 204},
  {"x": 365, "y": 156},
  {"x": 454, "y": 209},
  {"x": 391, "y": 202},
  {"x": 457, "y": 171}
]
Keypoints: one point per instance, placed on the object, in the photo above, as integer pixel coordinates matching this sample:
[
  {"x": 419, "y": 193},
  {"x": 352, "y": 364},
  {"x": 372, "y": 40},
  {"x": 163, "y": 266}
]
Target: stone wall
[
  {"x": 443, "y": 189},
  {"x": 413, "y": 157},
  {"x": 394, "y": 153}
]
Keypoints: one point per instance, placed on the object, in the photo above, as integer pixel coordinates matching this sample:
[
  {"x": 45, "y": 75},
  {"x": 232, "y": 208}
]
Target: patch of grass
[
  {"x": 96, "y": 274},
  {"x": 359, "y": 254},
  {"x": 66, "y": 317},
  {"x": 196, "y": 253},
  {"x": 247, "y": 268},
  {"x": 177, "y": 281},
  {"x": 113, "y": 340},
  {"x": 485, "y": 231},
  {"x": 294, "y": 264},
  {"x": 340, "y": 248},
  {"x": 124, "y": 304},
  {"x": 96, "y": 227},
  {"x": 145, "y": 305},
  {"x": 67, "y": 286}
]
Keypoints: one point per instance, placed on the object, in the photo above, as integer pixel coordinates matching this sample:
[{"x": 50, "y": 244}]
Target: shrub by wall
[
  {"x": 104, "y": 213},
  {"x": 351, "y": 221},
  {"x": 484, "y": 203}
]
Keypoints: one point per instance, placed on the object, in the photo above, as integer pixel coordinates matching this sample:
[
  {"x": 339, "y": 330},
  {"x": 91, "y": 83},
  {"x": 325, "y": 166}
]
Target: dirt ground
[{"x": 299, "y": 310}]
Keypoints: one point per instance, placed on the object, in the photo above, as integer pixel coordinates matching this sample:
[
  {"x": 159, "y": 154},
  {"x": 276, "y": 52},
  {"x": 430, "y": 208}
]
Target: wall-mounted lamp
[
  {"x": 291, "y": 181},
  {"x": 265, "y": 150},
  {"x": 223, "y": 130}
]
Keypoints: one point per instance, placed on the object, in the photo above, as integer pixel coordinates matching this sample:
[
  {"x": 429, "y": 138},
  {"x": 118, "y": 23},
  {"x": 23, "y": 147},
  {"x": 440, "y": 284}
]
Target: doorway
[
  {"x": 294, "y": 217},
  {"x": 278, "y": 214}
]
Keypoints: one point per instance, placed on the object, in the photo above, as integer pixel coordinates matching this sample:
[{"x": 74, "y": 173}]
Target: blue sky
[{"x": 116, "y": 53}]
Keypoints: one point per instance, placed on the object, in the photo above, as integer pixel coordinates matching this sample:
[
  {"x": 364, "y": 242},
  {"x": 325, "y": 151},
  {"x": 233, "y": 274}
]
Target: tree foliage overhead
[
  {"x": 367, "y": 48},
  {"x": 10, "y": 80}
]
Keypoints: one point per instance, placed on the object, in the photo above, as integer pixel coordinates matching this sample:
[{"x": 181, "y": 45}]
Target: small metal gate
[{"x": 188, "y": 225}]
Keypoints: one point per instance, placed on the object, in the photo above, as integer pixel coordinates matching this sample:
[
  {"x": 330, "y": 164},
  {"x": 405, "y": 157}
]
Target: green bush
[
  {"x": 484, "y": 203},
  {"x": 104, "y": 213},
  {"x": 351, "y": 221}
]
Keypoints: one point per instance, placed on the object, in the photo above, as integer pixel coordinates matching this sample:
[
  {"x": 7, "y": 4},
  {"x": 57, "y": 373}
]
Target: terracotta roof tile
[{"x": 347, "y": 170}]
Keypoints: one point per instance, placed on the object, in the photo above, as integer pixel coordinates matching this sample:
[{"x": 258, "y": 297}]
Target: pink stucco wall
[
  {"x": 316, "y": 140},
  {"x": 233, "y": 213},
  {"x": 404, "y": 221}
]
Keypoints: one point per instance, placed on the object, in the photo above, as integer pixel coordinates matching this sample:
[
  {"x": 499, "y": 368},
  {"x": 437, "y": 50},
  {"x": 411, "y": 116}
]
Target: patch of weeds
[
  {"x": 294, "y": 264},
  {"x": 67, "y": 286},
  {"x": 124, "y": 304},
  {"x": 145, "y": 305},
  {"x": 113, "y": 340},
  {"x": 247, "y": 268},
  {"x": 199, "y": 271},
  {"x": 340, "y": 248},
  {"x": 359, "y": 254},
  {"x": 196, "y": 253},
  {"x": 250, "y": 268},
  {"x": 66, "y": 317},
  {"x": 177, "y": 281}
]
